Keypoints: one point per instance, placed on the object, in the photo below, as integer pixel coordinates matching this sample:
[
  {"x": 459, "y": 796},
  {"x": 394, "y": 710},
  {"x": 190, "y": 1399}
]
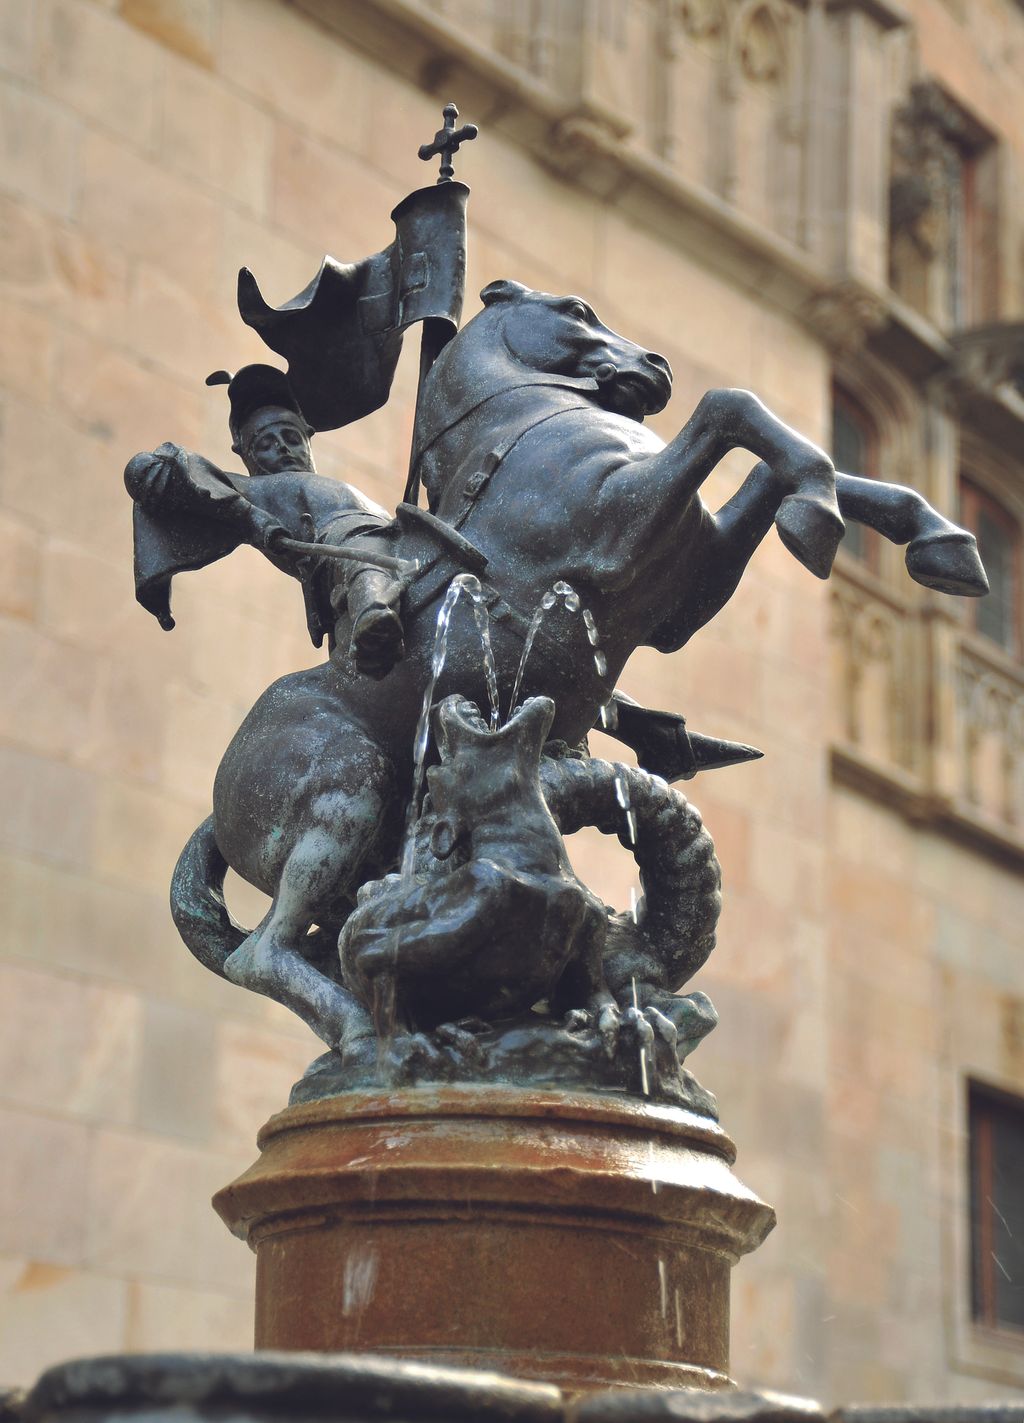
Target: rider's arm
[{"x": 171, "y": 481}]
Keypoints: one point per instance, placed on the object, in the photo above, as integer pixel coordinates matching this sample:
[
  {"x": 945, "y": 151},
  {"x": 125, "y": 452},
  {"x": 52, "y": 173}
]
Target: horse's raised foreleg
[
  {"x": 807, "y": 515},
  {"x": 727, "y": 543},
  {"x": 939, "y": 555}
]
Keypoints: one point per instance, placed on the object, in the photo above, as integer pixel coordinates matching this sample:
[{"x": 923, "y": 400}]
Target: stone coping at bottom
[
  {"x": 360, "y": 1388},
  {"x": 336, "y": 1386}
]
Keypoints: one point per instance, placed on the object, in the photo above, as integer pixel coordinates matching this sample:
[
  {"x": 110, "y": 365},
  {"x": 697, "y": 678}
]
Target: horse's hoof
[
  {"x": 811, "y": 528},
  {"x": 949, "y": 563}
]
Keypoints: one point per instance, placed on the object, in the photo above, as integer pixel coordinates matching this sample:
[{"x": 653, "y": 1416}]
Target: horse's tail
[{"x": 197, "y": 901}]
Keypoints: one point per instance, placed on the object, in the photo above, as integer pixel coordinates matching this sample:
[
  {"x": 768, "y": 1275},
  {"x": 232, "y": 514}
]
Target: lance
[
  {"x": 436, "y": 333},
  {"x": 351, "y": 553},
  {"x": 663, "y": 744}
]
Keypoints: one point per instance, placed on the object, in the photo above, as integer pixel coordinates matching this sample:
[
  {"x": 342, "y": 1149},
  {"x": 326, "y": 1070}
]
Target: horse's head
[
  {"x": 562, "y": 336},
  {"x": 522, "y": 338}
]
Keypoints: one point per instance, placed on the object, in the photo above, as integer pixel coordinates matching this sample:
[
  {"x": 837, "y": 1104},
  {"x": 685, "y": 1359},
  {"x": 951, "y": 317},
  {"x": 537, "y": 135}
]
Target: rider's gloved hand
[
  {"x": 267, "y": 532},
  {"x": 148, "y": 476}
]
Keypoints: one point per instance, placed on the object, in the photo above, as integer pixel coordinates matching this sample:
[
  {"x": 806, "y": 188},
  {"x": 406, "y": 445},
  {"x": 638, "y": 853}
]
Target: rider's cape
[
  {"x": 173, "y": 544},
  {"x": 170, "y": 539}
]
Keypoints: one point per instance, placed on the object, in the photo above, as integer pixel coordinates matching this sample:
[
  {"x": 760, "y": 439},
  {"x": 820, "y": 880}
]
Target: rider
[{"x": 189, "y": 512}]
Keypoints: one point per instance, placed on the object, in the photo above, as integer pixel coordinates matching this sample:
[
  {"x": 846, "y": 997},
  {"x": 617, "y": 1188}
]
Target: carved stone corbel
[
  {"x": 579, "y": 144},
  {"x": 845, "y": 315}
]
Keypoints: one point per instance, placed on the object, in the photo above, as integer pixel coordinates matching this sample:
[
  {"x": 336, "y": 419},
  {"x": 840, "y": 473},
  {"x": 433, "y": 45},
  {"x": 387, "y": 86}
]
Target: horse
[{"x": 539, "y": 470}]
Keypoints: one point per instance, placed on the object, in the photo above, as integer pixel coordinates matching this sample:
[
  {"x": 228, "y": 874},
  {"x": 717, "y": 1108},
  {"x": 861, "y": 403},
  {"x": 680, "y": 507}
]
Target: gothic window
[
  {"x": 998, "y": 616},
  {"x": 855, "y": 451},
  {"x": 996, "y": 1126}
]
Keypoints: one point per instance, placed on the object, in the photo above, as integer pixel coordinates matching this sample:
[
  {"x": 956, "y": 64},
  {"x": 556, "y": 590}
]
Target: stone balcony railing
[{"x": 927, "y": 715}]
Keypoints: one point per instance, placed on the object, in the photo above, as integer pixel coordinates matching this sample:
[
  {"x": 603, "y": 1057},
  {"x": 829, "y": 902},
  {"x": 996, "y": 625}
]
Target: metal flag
[{"x": 342, "y": 334}]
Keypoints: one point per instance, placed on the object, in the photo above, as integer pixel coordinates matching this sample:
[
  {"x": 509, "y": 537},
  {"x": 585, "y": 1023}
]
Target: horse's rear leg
[
  {"x": 321, "y": 868},
  {"x": 271, "y": 960},
  {"x": 940, "y": 555}
]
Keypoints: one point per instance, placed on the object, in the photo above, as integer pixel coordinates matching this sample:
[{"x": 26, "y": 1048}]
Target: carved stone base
[
  {"x": 574, "y": 1239},
  {"x": 529, "y": 1053}
]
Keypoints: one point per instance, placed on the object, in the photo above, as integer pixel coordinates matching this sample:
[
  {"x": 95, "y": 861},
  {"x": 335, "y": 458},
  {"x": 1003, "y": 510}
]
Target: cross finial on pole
[{"x": 447, "y": 141}]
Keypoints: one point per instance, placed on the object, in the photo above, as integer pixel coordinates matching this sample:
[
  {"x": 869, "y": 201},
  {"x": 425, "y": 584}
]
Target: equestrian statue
[{"x": 423, "y": 910}]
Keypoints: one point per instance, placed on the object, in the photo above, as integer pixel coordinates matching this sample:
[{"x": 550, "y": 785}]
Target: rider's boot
[{"x": 373, "y": 598}]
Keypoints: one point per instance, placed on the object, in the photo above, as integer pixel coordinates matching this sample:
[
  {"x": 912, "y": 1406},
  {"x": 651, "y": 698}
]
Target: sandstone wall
[{"x": 148, "y": 148}]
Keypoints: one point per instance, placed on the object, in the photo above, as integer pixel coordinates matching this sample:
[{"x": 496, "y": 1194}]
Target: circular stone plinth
[{"x": 581, "y": 1240}]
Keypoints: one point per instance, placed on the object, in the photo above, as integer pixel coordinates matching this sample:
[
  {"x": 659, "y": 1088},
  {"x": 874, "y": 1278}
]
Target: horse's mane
[{"x": 475, "y": 368}]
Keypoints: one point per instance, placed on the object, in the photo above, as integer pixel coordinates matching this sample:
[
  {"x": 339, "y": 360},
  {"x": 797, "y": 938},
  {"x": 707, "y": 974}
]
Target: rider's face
[{"x": 274, "y": 441}]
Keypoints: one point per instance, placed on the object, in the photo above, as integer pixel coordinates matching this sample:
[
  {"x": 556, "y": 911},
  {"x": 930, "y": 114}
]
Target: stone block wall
[{"x": 148, "y": 148}]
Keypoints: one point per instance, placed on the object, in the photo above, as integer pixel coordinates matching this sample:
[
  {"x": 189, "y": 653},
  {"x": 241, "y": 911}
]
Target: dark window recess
[
  {"x": 854, "y": 452},
  {"x": 997, "y": 1208},
  {"x": 997, "y": 616}
]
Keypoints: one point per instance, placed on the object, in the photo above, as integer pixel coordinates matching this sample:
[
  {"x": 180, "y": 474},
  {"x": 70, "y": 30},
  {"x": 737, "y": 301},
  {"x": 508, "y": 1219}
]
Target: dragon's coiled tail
[{"x": 676, "y": 920}]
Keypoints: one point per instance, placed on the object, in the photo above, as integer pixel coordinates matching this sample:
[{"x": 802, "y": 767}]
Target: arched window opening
[
  {"x": 855, "y": 451},
  {"x": 999, "y": 539}
]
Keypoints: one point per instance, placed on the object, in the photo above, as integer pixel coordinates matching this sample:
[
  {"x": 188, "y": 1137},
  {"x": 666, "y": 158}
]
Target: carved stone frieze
[
  {"x": 992, "y": 356},
  {"x": 991, "y": 702},
  {"x": 761, "y": 41},
  {"x": 869, "y": 640},
  {"x": 751, "y": 35},
  {"x": 702, "y": 19},
  {"x": 929, "y": 137}
]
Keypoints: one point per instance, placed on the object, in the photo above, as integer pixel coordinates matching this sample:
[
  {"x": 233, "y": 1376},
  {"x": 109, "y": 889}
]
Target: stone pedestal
[{"x": 581, "y": 1240}]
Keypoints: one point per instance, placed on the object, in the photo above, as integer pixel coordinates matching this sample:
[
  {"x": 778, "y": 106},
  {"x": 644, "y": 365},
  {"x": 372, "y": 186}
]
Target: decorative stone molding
[
  {"x": 886, "y": 15},
  {"x": 762, "y": 43},
  {"x": 580, "y": 143},
  {"x": 894, "y": 665},
  {"x": 983, "y": 383},
  {"x": 702, "y": 19},
  {"x": 752, "y": 37}
]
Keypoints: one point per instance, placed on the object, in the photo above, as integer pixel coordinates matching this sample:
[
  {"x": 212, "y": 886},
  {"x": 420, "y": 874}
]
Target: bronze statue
[{"x": 540, "y": 475}]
